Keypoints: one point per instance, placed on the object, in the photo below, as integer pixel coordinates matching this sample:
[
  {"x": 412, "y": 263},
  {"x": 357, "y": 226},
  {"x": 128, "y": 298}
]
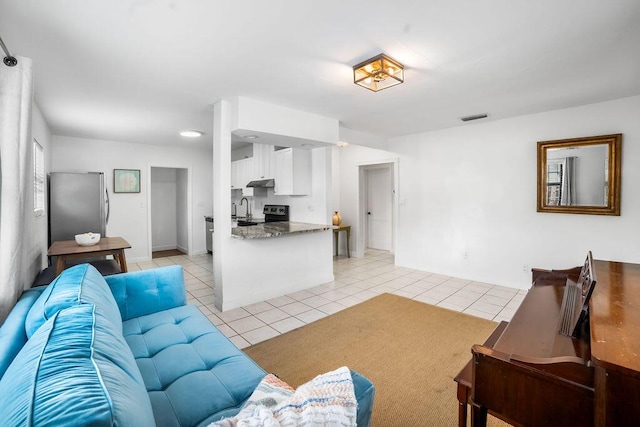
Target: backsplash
[{"x": 302, "y": 208}]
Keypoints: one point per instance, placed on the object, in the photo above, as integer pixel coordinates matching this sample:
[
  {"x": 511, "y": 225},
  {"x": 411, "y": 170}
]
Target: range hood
[{"x": 262, "y": 183}]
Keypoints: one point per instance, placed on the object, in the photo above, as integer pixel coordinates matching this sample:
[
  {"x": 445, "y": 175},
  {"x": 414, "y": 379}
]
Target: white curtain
[
  {"x": 568, "y": 192},
  {"x": 16, "y": 93}
]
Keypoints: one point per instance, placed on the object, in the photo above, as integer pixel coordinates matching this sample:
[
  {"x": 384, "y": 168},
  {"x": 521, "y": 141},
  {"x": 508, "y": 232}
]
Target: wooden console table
[
  {"x": 67, "y": 250},
  {"x": 336, "y": 235}
]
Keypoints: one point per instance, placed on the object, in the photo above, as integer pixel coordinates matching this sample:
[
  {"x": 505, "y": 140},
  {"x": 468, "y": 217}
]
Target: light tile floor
[{"x": 356, "y": 280}]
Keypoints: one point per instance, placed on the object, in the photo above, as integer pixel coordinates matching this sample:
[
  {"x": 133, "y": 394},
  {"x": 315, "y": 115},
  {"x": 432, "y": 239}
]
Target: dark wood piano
[{"x": 529, "y": 373}]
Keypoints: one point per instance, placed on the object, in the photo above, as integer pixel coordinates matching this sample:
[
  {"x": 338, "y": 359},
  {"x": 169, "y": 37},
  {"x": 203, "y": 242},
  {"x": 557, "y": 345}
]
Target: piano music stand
[{"x": 575, "y": 302}]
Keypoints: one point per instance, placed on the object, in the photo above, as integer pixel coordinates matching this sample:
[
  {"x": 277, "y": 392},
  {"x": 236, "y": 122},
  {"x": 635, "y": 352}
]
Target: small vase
[{"x": 337, "y": 220}]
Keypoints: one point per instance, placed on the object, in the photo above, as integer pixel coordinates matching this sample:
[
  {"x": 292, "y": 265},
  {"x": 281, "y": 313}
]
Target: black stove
[{"x": 276, "y": 213}]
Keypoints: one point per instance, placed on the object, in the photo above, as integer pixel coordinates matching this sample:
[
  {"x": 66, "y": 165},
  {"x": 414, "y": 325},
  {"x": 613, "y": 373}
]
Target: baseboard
[
  {"x": 163, "y": 248},
  {"x": 182, "y": 249}
]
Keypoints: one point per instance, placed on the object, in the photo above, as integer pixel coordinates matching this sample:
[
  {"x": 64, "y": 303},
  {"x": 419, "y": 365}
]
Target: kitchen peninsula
[
  {"x": 274, "y": 258},
  {"x": 276, "y": 229},
  {"x": 251, "y": 270}
]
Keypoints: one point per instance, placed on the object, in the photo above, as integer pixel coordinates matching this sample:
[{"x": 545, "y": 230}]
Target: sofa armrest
[
  {"x": 365, "y": 393},
  {"x": 139, "y": 293},
  {"x": 12, "y": 331}
]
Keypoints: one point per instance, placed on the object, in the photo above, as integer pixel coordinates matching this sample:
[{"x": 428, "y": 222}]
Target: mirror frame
[{"x": 614, "y": 143}]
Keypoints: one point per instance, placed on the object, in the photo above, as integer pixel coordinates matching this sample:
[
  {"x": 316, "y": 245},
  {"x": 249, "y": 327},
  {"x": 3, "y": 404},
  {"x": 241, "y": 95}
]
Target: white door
[{"x": 379, "y": 208}]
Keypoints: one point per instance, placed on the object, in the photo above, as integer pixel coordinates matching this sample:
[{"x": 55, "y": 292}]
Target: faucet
[{"x": 248, "y": 213}]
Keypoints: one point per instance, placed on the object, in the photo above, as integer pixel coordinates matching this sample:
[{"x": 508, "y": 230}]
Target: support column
[{"x": 221, "y": 195}]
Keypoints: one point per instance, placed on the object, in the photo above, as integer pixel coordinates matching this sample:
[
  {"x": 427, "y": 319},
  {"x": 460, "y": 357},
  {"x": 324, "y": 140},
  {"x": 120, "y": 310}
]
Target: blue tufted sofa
[{"x": 123, "y": 350}]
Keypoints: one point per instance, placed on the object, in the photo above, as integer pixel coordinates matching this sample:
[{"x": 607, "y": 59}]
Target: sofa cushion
[
  {"x": 75, "y": 370},
  {"x": 81, "y": 284},
  {"x": 143, "y": 292},
  {"x": 193, "y": 373}
]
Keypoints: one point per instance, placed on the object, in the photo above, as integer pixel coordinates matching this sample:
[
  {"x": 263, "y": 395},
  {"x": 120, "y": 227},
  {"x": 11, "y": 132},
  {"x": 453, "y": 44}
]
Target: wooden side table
[
  {"x": 69, "y": 250},
  {"x": 336, "y": 235}
]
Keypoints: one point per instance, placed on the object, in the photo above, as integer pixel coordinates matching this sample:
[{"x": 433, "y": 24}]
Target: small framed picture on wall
[{"x": 126, "y": 180}]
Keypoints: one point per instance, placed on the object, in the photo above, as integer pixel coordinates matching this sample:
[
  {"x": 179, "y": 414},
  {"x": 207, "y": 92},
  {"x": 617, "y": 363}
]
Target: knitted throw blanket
[{"x": 326, "y": 400}]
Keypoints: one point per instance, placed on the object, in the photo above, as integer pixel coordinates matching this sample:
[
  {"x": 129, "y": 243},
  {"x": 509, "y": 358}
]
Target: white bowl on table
[{"x": 87, "y": 239}]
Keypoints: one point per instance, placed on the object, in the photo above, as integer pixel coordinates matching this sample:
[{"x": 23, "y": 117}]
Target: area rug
[{"x": 411, "y": 351}]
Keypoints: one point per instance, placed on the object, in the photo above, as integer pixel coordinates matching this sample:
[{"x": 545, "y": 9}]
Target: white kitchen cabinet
[
  {"x": 262, "y": 161},
  {"x": 241, "y": 173},
  {"x": 292, "y": 172},
  {"x": 235, "y": 174}
]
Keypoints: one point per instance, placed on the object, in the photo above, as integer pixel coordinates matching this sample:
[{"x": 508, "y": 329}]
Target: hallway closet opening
[{"x": 169, "y": 211}]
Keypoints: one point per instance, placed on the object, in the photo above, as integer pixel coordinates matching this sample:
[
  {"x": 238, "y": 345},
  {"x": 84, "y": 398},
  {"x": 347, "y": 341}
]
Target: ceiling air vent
[{"x": 474, "y": 117}]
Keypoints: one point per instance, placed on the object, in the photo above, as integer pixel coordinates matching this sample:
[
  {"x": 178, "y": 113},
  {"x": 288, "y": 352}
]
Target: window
[
  {"x": 554, "y": 182},
  {"x": 38, "y": 179}
]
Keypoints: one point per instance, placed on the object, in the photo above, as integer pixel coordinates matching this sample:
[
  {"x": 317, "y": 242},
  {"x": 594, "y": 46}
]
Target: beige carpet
[{"x": 409, "y": 350}]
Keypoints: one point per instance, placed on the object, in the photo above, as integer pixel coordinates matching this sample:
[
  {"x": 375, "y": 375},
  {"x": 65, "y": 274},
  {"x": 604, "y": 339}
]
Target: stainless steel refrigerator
[{"x": 78, "y": 203}]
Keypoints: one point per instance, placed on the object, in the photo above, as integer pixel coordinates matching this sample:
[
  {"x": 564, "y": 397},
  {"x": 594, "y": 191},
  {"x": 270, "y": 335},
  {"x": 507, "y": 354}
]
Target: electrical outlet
[
  {"x": 525, "y": 268},
  {"x": 465, "y": 255},
  {"x": 310, "y": 208}
]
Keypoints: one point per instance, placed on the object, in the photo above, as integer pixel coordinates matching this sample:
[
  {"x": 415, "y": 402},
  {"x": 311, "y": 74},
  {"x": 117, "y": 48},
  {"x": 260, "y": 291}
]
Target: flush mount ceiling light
[
  {"x": 379, "y": 72},
  {"x": 251, "y": 137},
  {"x": 191, "y": 133}
]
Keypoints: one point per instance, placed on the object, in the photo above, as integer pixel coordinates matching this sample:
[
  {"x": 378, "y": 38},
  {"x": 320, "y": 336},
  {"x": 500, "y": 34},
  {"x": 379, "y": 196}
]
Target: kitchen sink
[{"x": 242, "y": 223}]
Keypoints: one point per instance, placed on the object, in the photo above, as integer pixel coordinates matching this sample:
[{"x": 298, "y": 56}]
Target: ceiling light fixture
[
  {"x": 191, "y": 133},
  {"x": 379, "y": 72},
  {"x": 251, "y": 137}
]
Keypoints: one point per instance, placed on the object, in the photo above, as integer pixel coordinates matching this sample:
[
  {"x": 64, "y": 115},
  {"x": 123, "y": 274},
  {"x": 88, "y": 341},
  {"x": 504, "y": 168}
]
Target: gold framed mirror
[{"x": 580, "y": 175}]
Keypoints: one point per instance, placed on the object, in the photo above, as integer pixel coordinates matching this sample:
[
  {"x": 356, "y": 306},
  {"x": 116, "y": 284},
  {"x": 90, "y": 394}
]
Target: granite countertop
[{"x": 276, "y": 229}]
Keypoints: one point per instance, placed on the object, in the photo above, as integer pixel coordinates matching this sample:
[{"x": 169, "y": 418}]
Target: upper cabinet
[
  {"x": 241, "y": 173},
  {"x": 262, "y": 161},
  {"x": 292, "y": 172},
  {"x": 289, "y": 167}
]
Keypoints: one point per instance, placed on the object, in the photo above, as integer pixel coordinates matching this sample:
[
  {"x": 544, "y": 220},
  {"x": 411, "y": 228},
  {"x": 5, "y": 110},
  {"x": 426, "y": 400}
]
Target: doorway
[
  {"x": 379, "y": 201},
  {"x": 377, "y": 207},
  {"x": 169, "y": 210}
]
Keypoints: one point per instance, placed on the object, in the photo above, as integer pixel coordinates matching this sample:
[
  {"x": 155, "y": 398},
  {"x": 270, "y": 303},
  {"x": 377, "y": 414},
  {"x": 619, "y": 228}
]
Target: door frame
[
  {"x": 367, "y": 204},
  {"x": 362, "y": 203},
  {"x": 189, "y": 207}
]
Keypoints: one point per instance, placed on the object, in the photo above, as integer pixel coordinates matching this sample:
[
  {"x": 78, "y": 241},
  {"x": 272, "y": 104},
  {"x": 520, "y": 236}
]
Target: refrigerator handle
[{"x": 106, "y": 191}]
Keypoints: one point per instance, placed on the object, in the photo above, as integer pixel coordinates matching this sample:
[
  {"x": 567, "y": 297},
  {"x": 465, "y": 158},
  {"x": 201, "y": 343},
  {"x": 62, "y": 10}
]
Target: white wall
[
  {"x": 257, "y": 116},
  {"x": 129, "y": 216},
  {"x": 351, "y": 158},
  {"x": 35, "y": 255},
  {"x": 242, "y": 153},
  {"x": 182, "y": 202},
  {"x": 362, "y": 139},
  {"x": 473, "y": 189},
  {"x": 164, "y": 230}
]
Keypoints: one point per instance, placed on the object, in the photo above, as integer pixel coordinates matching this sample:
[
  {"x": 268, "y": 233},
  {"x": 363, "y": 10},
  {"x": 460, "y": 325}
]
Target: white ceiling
[{"x": 142, "y": 70}]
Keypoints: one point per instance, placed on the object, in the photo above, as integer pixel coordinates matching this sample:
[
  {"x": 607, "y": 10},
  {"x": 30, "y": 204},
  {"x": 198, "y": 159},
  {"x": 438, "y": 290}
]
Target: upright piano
[{"x": 532, "y": 374}]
